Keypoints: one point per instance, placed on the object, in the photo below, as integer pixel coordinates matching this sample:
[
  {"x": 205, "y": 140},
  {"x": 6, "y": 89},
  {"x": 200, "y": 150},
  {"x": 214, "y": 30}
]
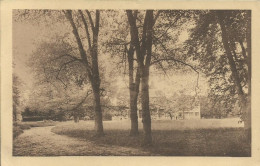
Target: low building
[
  {"x": 192, "y": 114},
  {"x": 160, "y": 113}
]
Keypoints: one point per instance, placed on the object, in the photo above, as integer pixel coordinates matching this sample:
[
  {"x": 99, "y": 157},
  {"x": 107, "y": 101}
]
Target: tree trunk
[
  {"x": 96, "y": 79},
  {"x": 76, "y": 118},
  {"x": 98, "y": 111},
  {"x": 231, "y": 62},
  {"x": 133, "y": 112},
  {"x": 91, "y": 68},
  {"x": 133, "y": 91},
  {"x": 96, "y": 89},
  {"x": 145, "y": 80},
  {"x": 146, "y": 117},
  {"x": 143, "y": 54},
  {"x": 246, "y": 113}
]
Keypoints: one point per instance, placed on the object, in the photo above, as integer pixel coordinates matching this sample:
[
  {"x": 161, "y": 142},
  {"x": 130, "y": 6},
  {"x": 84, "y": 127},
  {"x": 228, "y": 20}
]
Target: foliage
[
  {"x": 206, "y": 47},
  {"x": 107, "y": 116}
]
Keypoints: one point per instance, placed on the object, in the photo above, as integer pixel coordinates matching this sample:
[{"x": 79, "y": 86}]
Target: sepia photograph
[{"x": 146, "y": 82}]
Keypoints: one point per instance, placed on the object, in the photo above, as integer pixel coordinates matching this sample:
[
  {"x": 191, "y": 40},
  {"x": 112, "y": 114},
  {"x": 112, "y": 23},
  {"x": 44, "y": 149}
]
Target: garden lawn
[{"x": 216, "y": 137}]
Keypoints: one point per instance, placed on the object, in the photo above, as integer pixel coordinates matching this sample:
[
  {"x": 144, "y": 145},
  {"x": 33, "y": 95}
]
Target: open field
[{"x": 205, "y": 137}]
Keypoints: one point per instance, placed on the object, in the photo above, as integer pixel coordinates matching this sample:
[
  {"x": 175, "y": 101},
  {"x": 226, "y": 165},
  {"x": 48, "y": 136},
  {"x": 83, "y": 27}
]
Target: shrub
[
  {"x": 107, "y": 116},
  {"x": 17, "y": 131}
]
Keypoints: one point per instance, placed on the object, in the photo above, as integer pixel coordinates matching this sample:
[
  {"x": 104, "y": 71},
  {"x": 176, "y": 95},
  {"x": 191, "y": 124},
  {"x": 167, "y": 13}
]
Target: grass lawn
[{"x": 216, "y": 137}]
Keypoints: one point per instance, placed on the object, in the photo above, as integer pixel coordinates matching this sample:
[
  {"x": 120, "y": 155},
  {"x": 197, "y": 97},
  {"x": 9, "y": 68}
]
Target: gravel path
[{"x": 40, "y": 141}]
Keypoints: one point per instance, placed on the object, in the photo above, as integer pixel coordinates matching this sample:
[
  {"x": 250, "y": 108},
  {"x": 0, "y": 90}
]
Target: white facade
[{"x": 192, "y": 114}]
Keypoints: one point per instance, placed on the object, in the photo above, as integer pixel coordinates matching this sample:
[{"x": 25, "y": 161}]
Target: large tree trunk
[
  {"x": 98, "y": 110},
  {"x": 133, "y": 91},
  {"x": 245, "y": 106},
  {"x": 133, "y": 112},
  {"x": 96, "y": 79},
  {"x": 96, "y": 89},
  {"x": 146, "y": 117},
  {"x": 145, "y": 81}
]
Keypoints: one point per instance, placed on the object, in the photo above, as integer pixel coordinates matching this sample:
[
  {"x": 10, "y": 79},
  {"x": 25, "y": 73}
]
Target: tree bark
[
  {"x": 145, "y": 80},
  {"x": 133, "y": 91},
  {"x": 98, "y": 110},
  {"x": 146, "y": 117},
  {"x": 133, "y": 112}
]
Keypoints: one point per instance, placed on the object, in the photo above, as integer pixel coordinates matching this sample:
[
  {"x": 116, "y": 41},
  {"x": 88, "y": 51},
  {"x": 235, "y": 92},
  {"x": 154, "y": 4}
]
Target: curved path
[{"x": 40, "y": 141}]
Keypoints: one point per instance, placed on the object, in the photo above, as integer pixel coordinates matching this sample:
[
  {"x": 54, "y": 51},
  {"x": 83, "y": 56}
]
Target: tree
[
  {"x": 218, "y": 43},
  {"x": 225, "y": 18},
  {"x": 16, "y": 96},
  {"x": 145, "y": 35},
  {"x": 143, "y": 49},
  {"x": 166, "y": 31},
  {"x": 91, "y": 67},
  {"x": 119, "y": 44},
  {"x": 86, "y": 42},
  {"x": 61, "y": 80}
]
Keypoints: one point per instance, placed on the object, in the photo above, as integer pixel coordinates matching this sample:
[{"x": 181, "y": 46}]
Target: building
[
  {"x": 163, "y": 113},
  {"x": 192, "y": 114}
]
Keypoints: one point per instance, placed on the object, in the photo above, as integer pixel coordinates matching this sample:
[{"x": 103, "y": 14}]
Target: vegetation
[{"x": 221, "y": 43}]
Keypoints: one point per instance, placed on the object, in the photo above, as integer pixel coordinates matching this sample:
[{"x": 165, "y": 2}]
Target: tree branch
[
  {"x": 91, "y": 21},
  {"x": 83, "y": 54},
  {"x": 82, "y": 101},
  {"x": 158, "y": 61},
  {"x": 71, "y": 56},
  {"x": 181, "y": 62},
  {"x": 175, "y": 60},
  {"x": 61, "y": 67},
  {"x": 156, "y": 16},
  {"x": 86, "y": 28},
  {"x": 48, "y": 79},
  {"x": 170, "y": 26},
  {"x": 97, "y": 21},
  {"x": 134, "y": 36},
  {"x": 143, "y": 40}
]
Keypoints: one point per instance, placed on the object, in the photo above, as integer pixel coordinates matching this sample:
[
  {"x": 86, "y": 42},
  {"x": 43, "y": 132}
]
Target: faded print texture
[{"x": 132, "y": 82}]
